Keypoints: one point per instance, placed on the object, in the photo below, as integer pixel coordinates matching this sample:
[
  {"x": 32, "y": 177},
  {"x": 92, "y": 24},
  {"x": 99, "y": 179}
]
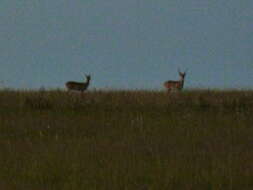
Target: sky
[{"x": 133, "y": 44}]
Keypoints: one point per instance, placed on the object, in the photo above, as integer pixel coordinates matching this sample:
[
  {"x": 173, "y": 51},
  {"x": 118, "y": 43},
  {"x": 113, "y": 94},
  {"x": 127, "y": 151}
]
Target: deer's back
[{"x": 76, "y": 85}]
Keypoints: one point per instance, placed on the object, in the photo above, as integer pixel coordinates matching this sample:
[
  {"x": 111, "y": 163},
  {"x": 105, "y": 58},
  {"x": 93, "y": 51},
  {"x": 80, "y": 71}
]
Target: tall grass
[{"x": 126, "y": 140}]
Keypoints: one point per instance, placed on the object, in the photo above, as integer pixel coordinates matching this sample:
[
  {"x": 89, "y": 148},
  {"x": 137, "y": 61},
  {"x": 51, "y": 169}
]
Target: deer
[
  {"x": 177, "y": 85},
  {"x": 78, "y": 86}
]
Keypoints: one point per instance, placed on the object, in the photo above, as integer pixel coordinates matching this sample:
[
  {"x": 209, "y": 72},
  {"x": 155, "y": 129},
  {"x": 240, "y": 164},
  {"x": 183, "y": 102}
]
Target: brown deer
[
  {"x": 177, "y": 85},
  {"x": 78, "y": 86}
]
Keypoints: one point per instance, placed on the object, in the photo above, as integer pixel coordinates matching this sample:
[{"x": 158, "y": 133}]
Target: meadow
[{"x": 145, "y": 140}]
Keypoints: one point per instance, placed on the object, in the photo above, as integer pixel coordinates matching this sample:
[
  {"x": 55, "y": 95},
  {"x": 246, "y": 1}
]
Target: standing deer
[
  {"x": 78, "y": 86},
  {"x": 178, "y": 85}
]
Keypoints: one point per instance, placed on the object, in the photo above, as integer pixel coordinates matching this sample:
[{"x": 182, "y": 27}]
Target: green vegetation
[{"x": 126, "y": 140}]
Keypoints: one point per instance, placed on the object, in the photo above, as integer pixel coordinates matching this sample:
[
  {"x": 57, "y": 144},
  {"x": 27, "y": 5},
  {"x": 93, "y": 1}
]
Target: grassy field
[{"x": 52, "y": 140}]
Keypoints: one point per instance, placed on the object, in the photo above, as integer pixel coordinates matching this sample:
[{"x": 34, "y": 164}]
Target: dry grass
[{"x": 126, "y": 140}]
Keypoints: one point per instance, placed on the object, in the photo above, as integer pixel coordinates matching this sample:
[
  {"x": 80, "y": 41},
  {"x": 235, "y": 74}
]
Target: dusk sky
[{"x": 126, "y": 44}]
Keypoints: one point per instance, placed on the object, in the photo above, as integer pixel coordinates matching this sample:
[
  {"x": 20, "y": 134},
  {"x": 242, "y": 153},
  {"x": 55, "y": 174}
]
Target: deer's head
[
  {"x": 182, "y": 74},
  {"x": 88, "y": 77}
]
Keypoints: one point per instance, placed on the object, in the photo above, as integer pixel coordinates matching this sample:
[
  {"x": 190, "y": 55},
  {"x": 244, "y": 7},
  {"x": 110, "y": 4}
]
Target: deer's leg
[{"x": 82, "y": 93}]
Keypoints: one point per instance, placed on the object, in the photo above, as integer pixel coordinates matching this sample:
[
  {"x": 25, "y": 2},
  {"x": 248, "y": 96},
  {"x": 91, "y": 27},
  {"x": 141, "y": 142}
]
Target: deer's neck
[{"x": 182, "y": 82}]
